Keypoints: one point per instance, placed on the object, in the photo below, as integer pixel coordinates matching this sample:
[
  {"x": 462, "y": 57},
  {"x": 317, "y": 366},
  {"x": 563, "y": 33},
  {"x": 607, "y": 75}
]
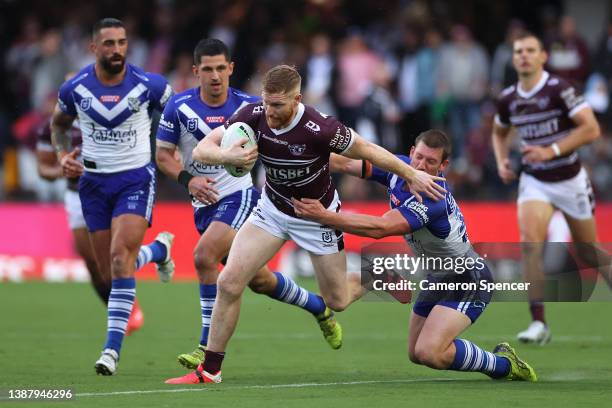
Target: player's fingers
[
  {"x": 434, "y": 194},
  {"x": 298, "y": 204},
  {"x": 438, "y": 178},
  {"x": 418, "y": 196},
  {"x": 240, "y": 142},
  {"x": 439, "y": 188}
]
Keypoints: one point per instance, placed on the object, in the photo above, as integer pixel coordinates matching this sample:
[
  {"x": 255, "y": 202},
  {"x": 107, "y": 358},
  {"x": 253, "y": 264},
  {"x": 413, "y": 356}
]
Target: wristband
[
  {"x": 184, "y": 178},
  {"x": 556, "y": 149},
  {"x": 366, "y": 169}
]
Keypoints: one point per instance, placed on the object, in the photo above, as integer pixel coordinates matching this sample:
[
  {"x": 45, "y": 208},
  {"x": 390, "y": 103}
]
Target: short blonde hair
[{"x": 282, "y": 79}]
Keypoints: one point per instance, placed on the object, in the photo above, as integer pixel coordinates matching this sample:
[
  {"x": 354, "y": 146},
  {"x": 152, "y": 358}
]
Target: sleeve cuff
[
  {"x": 499, "y": 123},
  {"x": 578, "y": 108}
]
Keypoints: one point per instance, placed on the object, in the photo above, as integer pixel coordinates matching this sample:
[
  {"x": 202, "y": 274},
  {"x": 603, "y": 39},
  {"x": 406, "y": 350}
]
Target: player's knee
[
  {"x": 428, "y": 355},
  {"x": 228, "y": 287},
  {"x": 120, "y": 265},
  {"x": 412, "y": 355},
  {"x": 205, "y": 262}
]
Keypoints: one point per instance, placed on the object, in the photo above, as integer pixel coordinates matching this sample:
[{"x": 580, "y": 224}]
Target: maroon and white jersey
[
  {"x": 542, "y": 116},
  {"x": 296, "y": 158},
  {"x": 43, "y": 143}
]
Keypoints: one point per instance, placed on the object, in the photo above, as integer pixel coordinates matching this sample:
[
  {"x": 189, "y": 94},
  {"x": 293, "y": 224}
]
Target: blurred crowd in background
[{"x": 388, "y": 68}]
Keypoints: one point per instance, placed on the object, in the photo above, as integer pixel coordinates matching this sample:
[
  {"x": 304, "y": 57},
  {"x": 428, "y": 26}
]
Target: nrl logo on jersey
[
  {"x": 327, "y": 237},
  {"x": 192, "y": 125},
  {"x": 133, "y": 104},
  {"x": 310, "y": 125},
  {"x": 297, "y": 149},
  {"x": 85, "y": 103}
]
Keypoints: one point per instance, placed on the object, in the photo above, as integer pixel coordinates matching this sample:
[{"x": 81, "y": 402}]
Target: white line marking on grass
[{"x": 201, "y": 388}]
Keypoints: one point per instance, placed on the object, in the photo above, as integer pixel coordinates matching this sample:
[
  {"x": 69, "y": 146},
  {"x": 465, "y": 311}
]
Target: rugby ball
[{"x": 237, "y": 131}]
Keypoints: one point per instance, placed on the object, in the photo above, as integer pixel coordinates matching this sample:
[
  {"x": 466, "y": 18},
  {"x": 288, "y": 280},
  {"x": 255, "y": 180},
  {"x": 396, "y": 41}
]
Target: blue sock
[
  {"x": 120, "y": 305},
  {"x": 208, "y": 293},
  {"x": 470, "y": 357},
  {"x": 154, "y": 252},
  {"x": 290, "y": 292}
]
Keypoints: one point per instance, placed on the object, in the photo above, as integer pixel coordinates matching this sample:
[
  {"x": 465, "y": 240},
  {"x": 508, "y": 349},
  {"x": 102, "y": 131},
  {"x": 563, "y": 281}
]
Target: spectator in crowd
[
  {"x": 568, "y": 54},
  {"x": 182, "y": 77},
  {"x": 318, "y": 74},
  {"x": 502, "y": 71},
  {"x": 357, "y": 66},
  {"x": 463, "y": 78}
]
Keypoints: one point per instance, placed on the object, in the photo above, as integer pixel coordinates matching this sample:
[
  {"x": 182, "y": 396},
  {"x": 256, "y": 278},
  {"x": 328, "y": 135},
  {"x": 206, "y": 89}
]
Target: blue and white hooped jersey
[
  {"x": 115, "y": 120},
  {"x": 186, "y": 120},
  {"x": 438, "y": 228}
]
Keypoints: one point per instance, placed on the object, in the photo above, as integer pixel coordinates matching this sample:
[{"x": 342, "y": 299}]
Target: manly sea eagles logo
[
  {"x": 297, "y": 149},
  {"x": 543, "y": 102},
  {"x": 133, "y": 104},
  {"x": 85, "y": 103},
  {"x": 192, "y": 125}
]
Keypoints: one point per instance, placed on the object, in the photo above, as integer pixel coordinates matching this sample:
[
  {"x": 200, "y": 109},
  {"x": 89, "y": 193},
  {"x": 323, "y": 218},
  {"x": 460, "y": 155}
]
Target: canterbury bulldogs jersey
[
  {"x": 541, "y": 117},
  {"x": 296, "y": 158},
  {"x": 438, "y": 228},
  {"x": 186, "y": 120},
  {"x": 115, "y": 121}
]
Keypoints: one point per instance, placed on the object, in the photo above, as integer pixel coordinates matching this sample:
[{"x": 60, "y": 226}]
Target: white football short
[
  {"x": 573, "y": 197},
  {"x": 308, "y": 235},
  {"x": 72, "y": 204}
]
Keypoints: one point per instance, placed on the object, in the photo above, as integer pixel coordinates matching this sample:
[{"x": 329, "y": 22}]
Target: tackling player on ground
[{"x": 433, "y": 229}]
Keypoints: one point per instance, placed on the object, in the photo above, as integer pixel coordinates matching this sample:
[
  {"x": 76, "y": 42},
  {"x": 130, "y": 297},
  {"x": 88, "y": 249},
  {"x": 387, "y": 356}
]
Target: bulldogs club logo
[
  {"x": 133, "y": 105},
  {"x": 192, "y": 125},
  {"x": 85, "y": 104},
  {"x": 297, "y": 149}
]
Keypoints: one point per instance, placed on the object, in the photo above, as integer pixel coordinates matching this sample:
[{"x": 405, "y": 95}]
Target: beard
[{"x": 108, "y": 66}]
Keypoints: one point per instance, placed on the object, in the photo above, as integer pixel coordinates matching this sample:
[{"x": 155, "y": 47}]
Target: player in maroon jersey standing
[
  {"x": 294, "y": 142},
  {"x": 553, "y": 121}
]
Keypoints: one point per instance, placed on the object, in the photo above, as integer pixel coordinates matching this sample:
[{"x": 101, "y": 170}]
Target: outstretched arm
[
  {"x": 342, "y": 164},
  {"x": 391, "y": 223},
  {"x": 419, "y": 181}
]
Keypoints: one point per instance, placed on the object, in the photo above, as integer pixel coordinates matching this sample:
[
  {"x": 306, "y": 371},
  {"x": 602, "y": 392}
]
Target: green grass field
[{"x": 52, "y": 334}]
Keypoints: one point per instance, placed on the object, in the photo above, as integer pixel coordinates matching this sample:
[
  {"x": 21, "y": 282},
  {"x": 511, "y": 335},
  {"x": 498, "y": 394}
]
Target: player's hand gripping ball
[{"x": 235, "y": 132}]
